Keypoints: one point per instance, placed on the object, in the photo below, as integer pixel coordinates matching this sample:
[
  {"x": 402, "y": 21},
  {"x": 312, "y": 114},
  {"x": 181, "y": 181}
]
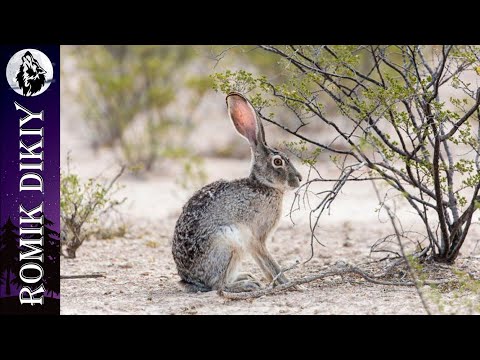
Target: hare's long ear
[
  {"x": 261, "y": 133},
  {"x": 245, "y": 120}
]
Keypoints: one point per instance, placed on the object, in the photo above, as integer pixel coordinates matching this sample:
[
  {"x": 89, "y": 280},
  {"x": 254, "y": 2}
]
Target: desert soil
[{"x": 140, "y": 275}]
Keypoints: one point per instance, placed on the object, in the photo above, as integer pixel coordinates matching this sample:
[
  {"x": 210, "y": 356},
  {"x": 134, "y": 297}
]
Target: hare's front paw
[
  {"x": 243, "y": 286},
  {"x": 280, "y": 280}
]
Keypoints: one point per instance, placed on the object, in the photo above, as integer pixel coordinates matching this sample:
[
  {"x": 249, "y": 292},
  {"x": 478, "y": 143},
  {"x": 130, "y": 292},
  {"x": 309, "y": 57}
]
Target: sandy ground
[{"x": 140, "y": 275}]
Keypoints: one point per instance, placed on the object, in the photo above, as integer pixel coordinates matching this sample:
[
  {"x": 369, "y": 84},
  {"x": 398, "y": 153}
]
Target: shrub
[
  {"x": 408, "y": 115},
  {"x": 83, "y": 205}
]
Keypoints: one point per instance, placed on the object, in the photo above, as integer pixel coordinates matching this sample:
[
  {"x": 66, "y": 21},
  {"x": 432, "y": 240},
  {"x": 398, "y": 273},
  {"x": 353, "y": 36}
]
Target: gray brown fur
[{"x": 226, "y": 220}]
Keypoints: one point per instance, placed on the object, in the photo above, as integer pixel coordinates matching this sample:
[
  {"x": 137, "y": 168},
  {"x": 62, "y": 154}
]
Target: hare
[{"x": 225, "y": 220}]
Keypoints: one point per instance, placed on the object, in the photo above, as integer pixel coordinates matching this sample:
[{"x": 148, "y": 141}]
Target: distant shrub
[{"x": 126, "y": 93}]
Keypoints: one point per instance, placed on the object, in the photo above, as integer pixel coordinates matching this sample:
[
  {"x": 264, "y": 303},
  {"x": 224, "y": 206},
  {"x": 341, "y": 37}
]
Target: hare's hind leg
[
  {"x": 238, "y": 281},
  {"x": 214, "y": 266},
  {"x": 219, "y": 265},
  {"x": 245, "y": 276},
  {"x": 243, "y": 282},
  {"x": 243, "y": 286},
  {"x": 223, "y": 263}
]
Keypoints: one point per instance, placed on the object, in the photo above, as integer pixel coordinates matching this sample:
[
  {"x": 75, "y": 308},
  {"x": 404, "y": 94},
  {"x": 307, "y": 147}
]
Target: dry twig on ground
[{"x": 339, "y": 269}]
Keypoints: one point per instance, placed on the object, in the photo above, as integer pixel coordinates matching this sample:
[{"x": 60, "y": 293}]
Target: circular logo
[{"x": 29, "y": 72}]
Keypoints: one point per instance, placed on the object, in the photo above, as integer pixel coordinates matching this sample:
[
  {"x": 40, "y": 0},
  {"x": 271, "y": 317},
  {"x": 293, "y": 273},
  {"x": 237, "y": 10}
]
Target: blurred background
[
  {"x": 154, "y": 109},
  {"x": 153, "y": 104}
]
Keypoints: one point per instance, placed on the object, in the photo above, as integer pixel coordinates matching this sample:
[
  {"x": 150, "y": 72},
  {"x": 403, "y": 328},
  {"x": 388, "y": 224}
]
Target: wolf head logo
[{"x": 31, "y": 76}]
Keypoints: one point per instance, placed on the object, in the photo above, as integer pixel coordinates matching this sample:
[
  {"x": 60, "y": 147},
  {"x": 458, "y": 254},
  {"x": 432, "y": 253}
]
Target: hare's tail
[{"x": 193, "y": 287}]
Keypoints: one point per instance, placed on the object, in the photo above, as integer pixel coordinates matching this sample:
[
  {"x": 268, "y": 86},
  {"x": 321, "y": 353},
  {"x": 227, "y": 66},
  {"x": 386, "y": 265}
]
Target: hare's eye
[{"x": 277, "y": 161}]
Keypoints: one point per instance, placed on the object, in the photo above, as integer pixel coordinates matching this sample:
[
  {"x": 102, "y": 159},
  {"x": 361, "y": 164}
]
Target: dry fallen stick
[
  {"x": 90, "y": 276},
  {"x": 339, "y": 269},
  {"x": 283, "y": 271}
]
